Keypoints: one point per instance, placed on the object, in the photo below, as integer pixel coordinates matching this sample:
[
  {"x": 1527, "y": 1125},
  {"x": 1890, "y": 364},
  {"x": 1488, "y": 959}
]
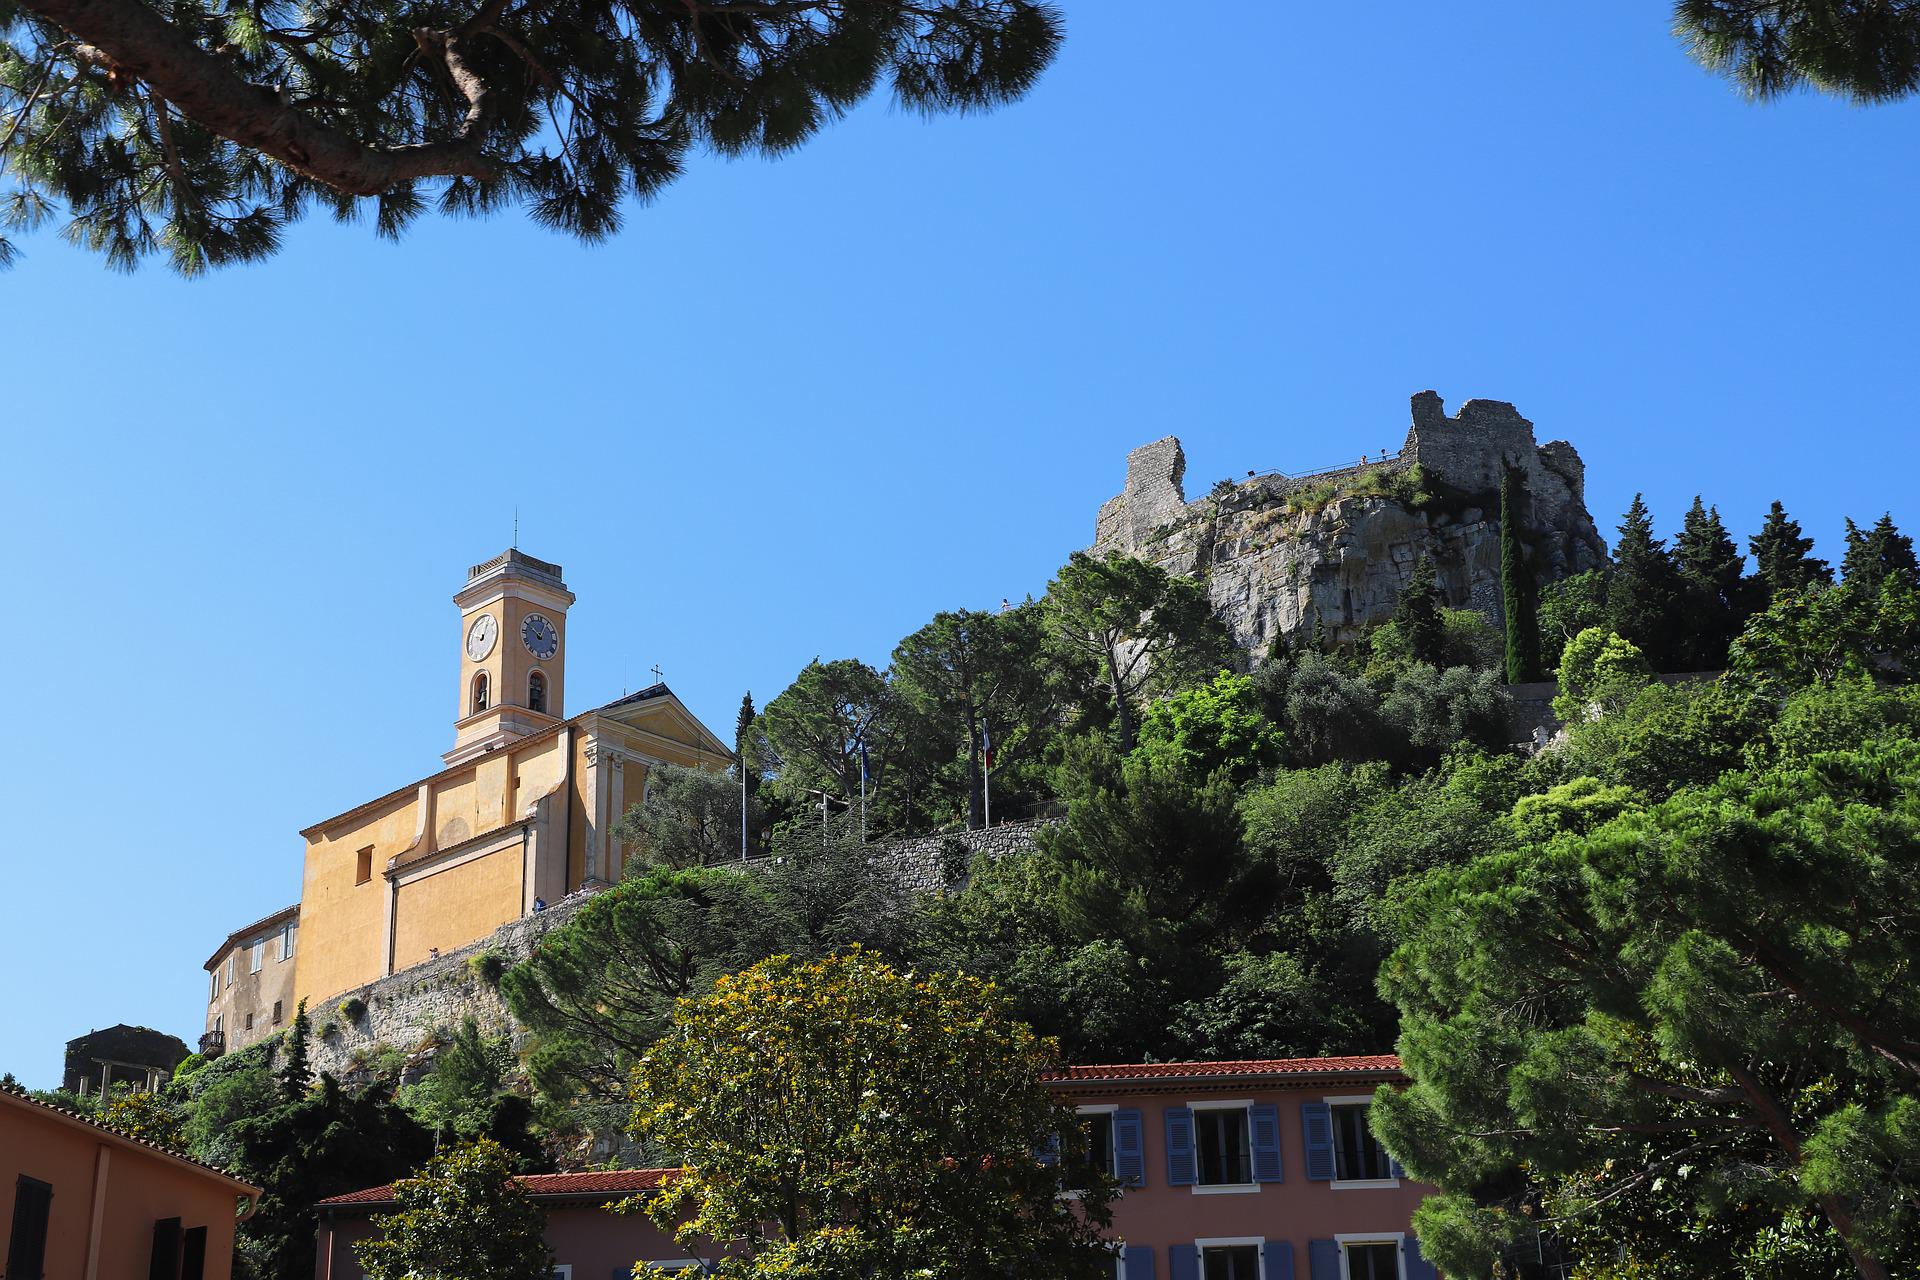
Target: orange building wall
[
  {"x": 142, "y": 1188},
  {"x": 451, "y": 908}
]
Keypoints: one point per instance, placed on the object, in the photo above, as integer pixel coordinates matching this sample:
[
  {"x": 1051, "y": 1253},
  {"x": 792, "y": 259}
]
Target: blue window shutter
[
  {"x": 1323, "y": 1260},
  {"x": 1183, "y": 1262},
  {"x": 1264, "y": 1125},
  {"x": 1279, "y": 1259},
  {"x": 1394, "y": 1167},
  {"x": 1138, "y": 1264},
  {"x": 1418, "y": 1268},
  {"x": 1048, "y": 1153},
  {"x": 1181, "y": 1168},
  {"x": 1316, "y": 1124},
  {"x": 1129, "y": 1149}
]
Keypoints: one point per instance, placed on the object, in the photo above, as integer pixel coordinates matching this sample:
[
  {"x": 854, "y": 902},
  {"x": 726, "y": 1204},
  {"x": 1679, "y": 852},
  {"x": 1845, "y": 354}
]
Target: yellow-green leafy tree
[
  {"x": 460, "y": 1218},
  {"x": 840, "y": 1118}
]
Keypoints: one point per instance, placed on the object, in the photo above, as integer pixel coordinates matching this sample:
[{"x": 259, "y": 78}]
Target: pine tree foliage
[
  {"x": 1713, "y": 586},
  {"x": 1418, "y": 615},
  {"x": 1874, "y": 553},
  {"x": 1517, "y": 593},
  {"x": 746, "y": 753},
  {"x": 297, "y": 1075},
  {"x": 1644, "y": 590},
  {"x": 200, "y": 129},
  {"x": 1783, "y": 558},
  {"x": 1865, "y": 50}
]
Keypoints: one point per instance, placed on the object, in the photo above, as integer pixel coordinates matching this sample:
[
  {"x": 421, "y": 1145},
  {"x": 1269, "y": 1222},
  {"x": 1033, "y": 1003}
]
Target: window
[
  {"x": 256, "y": 955},
  {"x": 219, "y": 1024},
  {"x": 32, "y": 1206},
  {"x": 249, "y": 1020},
  {"x": 363, "y": 865},
  {"x": 276, "y": 1013},
  {"x": 1372, "y": 1260},
  {"x": 215, "y": 993},
  {"x": 193, "y": 1254},
  {"x": 286, "y": 940},
  {"x": 1099, "y": 1141},
  {"x": 232, "y": 958},
  {"x": 1220, "y": 1138},
  {"x": 1357, "y": 1154},
  {"x": 165, "y": 1260},
  {"x": 480, "y": 690},
  {"x": 563, "y": 1271},
  {"x": 537, "y": 692},
  {"x": 1230, "y": 1262}
]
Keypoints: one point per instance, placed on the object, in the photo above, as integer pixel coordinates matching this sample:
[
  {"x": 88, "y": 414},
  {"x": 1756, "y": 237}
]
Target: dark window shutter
[
  {"x": 1316, "y": 1125},
  {"x": 193, "y": 1254},
  {"x": 27, "y": 1242},
  {"x": 1264, "y": 1125},
  {"x": 1181, "y": 1170},
  {"x": 1278, "y": 1256},
  {"x": 166, "y": 1250},
  {"x": 1129, "y": 1151},
  {"x": 1183, "y": 1262},
  {"x": 1323, "y": 1260},
  {"x": 1417, "y": 1267},
  {"x": 1138, "y": 1264}
]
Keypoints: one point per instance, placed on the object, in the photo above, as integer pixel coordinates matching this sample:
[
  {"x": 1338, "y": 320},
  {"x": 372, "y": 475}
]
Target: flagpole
[
  {"x": 986, "y": 778},
  {"x": 743, "y": 806}
]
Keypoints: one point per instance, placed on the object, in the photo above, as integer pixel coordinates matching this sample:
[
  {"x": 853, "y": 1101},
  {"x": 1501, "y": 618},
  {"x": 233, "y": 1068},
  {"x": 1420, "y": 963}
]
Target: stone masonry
[{"x": 1277, "y": 564}]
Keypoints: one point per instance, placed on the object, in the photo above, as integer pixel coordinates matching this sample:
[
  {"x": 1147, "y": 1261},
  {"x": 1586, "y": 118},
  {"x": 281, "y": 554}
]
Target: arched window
[
  {"x": 537, "y": 693},
  {"x": 480, "y": 693}
]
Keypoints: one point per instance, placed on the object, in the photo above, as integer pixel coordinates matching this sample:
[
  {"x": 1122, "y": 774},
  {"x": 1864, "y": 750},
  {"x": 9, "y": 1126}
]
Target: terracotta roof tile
[
  {"x": 543, "y": 1186},
  {"x": 1129, "y": 1072}
]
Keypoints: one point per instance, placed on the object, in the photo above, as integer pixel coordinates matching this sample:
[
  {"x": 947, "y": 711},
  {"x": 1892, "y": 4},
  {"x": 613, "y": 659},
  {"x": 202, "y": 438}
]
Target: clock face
[
  {"x": 541, "y": 639},
  {"x": 481, "y": 635}
]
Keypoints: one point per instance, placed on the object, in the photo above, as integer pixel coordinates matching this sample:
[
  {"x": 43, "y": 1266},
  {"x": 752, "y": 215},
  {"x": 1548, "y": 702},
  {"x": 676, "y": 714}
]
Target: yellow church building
[{"x": 523, "y": 812}]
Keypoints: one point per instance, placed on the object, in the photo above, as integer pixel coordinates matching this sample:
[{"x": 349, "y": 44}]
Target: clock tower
[{"x": 513, "y": 636}]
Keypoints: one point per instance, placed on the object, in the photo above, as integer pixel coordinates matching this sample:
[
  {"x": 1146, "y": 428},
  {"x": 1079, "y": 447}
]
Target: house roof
[
  {"x": 1380, "y": 1065},
  {"x": 14, "y": 1096},
  {"x": 234, "y": 939},
  {"x": 602, "y": 1184}
]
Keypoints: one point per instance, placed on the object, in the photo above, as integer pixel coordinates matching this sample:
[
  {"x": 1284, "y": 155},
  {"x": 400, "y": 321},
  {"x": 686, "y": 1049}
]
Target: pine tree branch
[{"x": 128, "y": 36}]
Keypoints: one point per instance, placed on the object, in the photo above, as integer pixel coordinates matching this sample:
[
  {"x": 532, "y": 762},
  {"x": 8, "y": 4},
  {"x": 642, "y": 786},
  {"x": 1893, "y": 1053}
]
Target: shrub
[
  {"x": 488, "y": 966},
  {"x": 352, "y": 1009}
]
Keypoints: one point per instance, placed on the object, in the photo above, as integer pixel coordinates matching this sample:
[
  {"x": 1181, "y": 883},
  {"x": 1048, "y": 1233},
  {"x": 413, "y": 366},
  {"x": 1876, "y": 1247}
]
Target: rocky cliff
[{"x": 1282, "y": 554}]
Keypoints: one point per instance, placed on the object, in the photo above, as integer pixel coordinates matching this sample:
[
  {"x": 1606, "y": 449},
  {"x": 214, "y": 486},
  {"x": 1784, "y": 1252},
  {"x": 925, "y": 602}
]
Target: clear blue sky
[{"x": 799, "y": 406}]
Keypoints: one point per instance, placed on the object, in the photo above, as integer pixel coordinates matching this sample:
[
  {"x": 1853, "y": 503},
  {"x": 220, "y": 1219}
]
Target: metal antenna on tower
[{"x": 516, "y": 528}]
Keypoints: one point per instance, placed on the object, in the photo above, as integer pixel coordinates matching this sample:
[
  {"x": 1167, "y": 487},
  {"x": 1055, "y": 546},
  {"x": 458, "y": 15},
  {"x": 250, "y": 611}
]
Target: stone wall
[{"x": 1278, "y": 569}]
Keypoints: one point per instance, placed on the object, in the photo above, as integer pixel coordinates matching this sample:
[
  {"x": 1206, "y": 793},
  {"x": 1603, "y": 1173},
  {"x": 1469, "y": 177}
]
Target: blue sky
[{"x": 799, "y": 406}]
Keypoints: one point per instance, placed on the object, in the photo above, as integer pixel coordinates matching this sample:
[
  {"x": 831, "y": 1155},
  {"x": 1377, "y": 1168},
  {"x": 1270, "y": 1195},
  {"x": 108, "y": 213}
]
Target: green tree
[
  {"x": 149, "y": 1117},
  {"x": 1643, "y": 597},
  {"x": 1517, "y": 587},
  {"x": 968, "y": 675},
  {"x": 1567, "y": 608},
  {"x": 201, "y": 133},
  {"x": 1417, "y": 615},
  {"x": 689, "y": 818},
  {"x": 1713, "y": 587},
  {"x": 1829, "y": 633},
  {"x": 1703, "y": 1000},
  {"x": 1597, "y": 671},
  {"x": 1875, "y": 553},
  {"x": 466, "y": 1095},
  {"x": 296, "y": 1075},
  {"x": 841, "y": 1118},
  {"x": 460, "y": 1216},
  {"x": 814, "y": 728},
  {"x": 1783, "y": 557},
  {"x": 1134, "y": 621},
  {"x": 1862, "y": 50},
  {"x": 747, "y": 754},
  {"x": 1216, "y": 725},
  {"x": 1428, "y": 713},
  {"x": 1331, "y": 715}
]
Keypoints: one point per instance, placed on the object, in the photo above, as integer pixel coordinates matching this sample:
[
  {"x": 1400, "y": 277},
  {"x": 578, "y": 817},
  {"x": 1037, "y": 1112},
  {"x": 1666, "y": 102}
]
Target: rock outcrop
[{"x": 1284, "y": 554}]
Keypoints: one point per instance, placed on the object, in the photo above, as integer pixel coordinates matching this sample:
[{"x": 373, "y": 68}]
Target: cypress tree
[
  {"x": 1418, "y": 614},
  {"x": 1517, "y": 589},
  {"x": 1874, "y": 554},
  {"x": 297, "y": 1075},
  {"x": 743, "y": 748},
  {"x": 1713, "y": 585},
  {"x": 1782, "y": 558},
  {"x": 1643, "y": 596}
]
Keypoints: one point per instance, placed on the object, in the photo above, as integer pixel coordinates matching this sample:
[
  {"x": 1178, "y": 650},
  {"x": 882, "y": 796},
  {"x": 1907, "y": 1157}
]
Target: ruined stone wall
[{"x": 1278, "y": 567}]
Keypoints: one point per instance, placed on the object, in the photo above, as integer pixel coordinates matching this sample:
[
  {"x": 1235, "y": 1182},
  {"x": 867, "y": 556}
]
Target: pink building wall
[{"x": 587, "y": 1238}]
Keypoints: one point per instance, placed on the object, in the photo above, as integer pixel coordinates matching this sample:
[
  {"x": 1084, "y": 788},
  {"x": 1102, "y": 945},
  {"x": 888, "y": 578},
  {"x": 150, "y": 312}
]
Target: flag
[{"x": 986, "y": 744}]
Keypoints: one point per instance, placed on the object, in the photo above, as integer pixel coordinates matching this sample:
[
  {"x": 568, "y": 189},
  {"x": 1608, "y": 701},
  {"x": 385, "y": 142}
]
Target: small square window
[
  {"x": 1230, "y": 1262},
  {"x": 276, "y": 1013},
  {"x": 249, "y": 1020},
  {"x": 1357, "y": 1154},
  {"x": 363, "y": 865},
  {"x": 1373, "y": 1260},
  {"x": 1222, "y": 1144}
]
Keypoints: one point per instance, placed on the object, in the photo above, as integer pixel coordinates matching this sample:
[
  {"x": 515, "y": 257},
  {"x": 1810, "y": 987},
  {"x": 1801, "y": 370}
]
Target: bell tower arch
[{"x": 513, "y": 653}]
